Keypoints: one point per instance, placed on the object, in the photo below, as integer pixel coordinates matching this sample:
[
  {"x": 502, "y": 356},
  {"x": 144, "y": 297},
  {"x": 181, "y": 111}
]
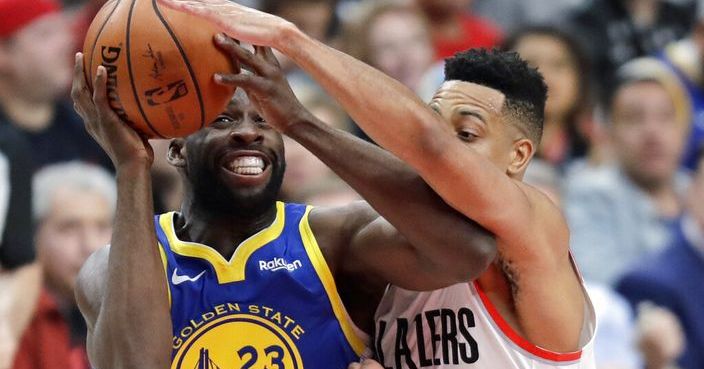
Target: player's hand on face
[
  {"x": 121, "y": 142},
  {"x": 266, "y": 85},
  {"x": 366, "y": 364},
  {"x": 245, "y": 24}
]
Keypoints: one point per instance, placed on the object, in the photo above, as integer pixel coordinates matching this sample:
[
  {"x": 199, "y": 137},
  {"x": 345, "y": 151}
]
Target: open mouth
[{"x": 246, "y": 165}]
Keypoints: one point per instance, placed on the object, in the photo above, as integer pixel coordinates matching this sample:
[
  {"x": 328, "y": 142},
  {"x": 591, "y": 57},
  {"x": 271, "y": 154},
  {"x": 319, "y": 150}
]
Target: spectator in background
[
  {"x": 616, "y": 31},
  {"x": 394, "y": 38},
  {"x": 686, "y": 57},
  {"x": 305, "y": 173},
  {"x": 20, "y": 275},
  {"x": 620, "y": 212},
  {"x": 454, "y": 28},
  {"x": 82, "y": 20},
  {"x": 673, "y": 277},
  {"x": 512, "y": 15},
  {"x": 74, "y": 204},
  {"x": 314, "y": 17},
  {"x": 568, "y": 127},
  {"x": 35, "y": 71}
]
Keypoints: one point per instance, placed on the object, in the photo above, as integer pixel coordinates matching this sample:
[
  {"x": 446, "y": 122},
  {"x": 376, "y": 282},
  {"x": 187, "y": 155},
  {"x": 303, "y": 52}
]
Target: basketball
[{"x": 160, "y": 65}]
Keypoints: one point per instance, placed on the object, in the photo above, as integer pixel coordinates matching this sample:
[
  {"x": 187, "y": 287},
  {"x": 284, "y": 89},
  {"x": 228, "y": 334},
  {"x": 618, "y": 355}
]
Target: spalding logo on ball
[{"x": 160, "y": 65}]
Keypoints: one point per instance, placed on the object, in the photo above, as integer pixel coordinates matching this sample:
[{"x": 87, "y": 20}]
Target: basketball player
[
  {"x": 239, "y": 280},
  {"x": 472, "y": 145}
]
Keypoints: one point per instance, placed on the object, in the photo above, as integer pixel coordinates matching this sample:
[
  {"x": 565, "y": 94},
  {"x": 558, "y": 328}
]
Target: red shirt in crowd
[
  {"x": 46, "y": 343},
  {"x": 476, "y": 32}
]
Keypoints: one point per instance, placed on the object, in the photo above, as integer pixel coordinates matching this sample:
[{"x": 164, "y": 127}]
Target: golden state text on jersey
[{"x": 273, "y": 305}]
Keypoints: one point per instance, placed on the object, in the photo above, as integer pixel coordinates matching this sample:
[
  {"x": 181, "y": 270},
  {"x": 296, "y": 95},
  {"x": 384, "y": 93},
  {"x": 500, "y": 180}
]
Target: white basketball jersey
[{"x": 458, "y": 327}]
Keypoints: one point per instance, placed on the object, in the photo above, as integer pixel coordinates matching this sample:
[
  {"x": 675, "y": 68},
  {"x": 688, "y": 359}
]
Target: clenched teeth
[{"x": 247, "y": 165}]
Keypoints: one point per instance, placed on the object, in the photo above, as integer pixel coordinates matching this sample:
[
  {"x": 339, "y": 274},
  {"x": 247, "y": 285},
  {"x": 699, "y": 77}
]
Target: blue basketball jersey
[{"x": 273, "y": 305}]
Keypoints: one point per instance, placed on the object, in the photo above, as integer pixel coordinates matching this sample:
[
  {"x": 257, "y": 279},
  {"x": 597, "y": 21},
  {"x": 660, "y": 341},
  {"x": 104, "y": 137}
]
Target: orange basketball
[{"x": 160, "y": 65}]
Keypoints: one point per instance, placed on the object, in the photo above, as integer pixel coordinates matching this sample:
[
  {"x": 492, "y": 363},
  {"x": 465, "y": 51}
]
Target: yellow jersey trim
[
  {"x": 166, "y": 269},
  {"x": 321, "y": 268},
  {"x": 234, "y": 269}
]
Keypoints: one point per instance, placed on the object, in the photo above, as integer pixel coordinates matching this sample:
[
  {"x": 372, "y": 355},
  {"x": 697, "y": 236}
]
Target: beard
[{"x": 211, "y": 194}]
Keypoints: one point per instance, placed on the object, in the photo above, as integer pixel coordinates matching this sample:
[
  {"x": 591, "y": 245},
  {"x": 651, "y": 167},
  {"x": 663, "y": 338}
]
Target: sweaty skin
[
  {"x": 364, "y": 250},
  {"x": 533, "y": 285}
]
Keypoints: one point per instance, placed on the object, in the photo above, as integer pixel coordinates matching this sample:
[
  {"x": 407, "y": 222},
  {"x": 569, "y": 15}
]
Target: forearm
[
  {"x": 459, "y": 248},
  {"x": 133, "y": 326},
  {"x": 386, "y": 110}
]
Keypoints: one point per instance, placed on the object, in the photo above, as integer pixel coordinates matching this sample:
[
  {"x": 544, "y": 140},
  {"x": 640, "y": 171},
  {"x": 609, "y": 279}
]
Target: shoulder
[
  {"x": 590, "y": 188},
  {"x": 547, "y": 215},
  {"x": 335, "y": 227},
  {"x": 586, "y": 178},
  {"x": 656, "y": 275},
  {"x": 341, "y": 219},
  {"x": 90, "y": 282}
]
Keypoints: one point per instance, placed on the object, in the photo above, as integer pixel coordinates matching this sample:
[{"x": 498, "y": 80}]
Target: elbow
[{"x": 475, "y": 258}]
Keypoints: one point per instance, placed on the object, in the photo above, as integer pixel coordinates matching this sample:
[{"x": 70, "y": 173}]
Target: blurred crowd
[{"x": 622, "y": 153}]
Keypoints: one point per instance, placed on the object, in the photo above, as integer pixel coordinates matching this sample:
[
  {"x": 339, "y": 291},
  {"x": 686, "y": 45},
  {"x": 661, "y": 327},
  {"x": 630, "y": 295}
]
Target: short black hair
[{"x": 523, "y": 86}]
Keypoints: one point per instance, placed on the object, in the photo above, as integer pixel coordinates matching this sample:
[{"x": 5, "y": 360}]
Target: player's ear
[
  {"x": 523, "y": 150},
  {"x": 176, "y": 155}
]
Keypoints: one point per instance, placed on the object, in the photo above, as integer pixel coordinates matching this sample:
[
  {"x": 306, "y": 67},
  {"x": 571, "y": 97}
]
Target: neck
[
  {"x": 64, "y": 299},
  {"x": 664, "y": 197},
  {"x": 222, "y": 232},
  {"x": 27, "y": 114}
]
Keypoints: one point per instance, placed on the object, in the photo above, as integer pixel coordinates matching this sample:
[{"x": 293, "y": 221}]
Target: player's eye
[
  {"x": 466, "y": 135},
  {"x": 223, "y": 120},
  {"x": 260, "y": 121}
]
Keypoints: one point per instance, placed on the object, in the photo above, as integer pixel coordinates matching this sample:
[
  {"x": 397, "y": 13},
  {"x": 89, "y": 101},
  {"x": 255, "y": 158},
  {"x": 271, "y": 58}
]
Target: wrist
[
  {"x": 289, "y": 35},
  {"x": 133, "y": 167},
  {"x": 299, "y": 123}
]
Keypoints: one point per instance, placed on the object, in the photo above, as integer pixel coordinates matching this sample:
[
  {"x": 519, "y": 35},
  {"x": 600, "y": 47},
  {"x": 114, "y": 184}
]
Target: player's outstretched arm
[
  {"x": 439, "y": 244},
  {"x": 399, "y": 121},
  {"x": 122, "y": 292}
]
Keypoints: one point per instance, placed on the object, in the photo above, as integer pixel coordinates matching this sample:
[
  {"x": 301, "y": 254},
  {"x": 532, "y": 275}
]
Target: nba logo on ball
[{"x": 160, "y": 65}]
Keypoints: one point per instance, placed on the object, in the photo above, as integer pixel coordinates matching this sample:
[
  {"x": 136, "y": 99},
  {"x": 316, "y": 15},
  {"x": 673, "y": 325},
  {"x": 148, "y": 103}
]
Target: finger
[
  {"x": 253, "y": 62},
  {"x": 100, "y": 96},
  {"x": 80, "y": 92},
  {"x": 268, "y": 54},
  {"x": 354, "y": 366},
  {"x": 208, "y": 9},
  {"x": 249, "y": 82}
]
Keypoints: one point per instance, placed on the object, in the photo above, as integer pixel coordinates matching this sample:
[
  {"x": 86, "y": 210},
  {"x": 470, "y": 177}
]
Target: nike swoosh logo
[{"x": 178, "y": 279}]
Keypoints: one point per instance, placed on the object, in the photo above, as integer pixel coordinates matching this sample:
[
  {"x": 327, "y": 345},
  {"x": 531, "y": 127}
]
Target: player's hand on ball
[
  {"x": 366, "y": 364},
  {"x": 245, "y": 24},
  {"x": 123, "y": 144},
  {"x": 266, "y": 84}
]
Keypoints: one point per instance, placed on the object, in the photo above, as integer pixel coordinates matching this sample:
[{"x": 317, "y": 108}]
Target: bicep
[{"x": 384, "y": 255}]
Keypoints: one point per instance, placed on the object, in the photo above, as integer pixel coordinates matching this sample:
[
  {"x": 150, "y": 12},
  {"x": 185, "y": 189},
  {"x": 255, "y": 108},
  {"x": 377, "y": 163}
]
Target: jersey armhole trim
[
  {"x": 325, "y": 275},
  {"x": 165, "y": 262},
  {"x": 518, "y": 339}
]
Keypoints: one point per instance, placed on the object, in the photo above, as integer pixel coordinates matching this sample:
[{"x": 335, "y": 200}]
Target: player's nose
[{"x": 246, "y": 133}]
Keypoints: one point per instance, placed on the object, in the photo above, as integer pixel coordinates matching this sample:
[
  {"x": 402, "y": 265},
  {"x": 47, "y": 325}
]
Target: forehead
[
  {"x": 639, "y": 89},
  {"x": 460, "y": 92},
  {"x": 240, "y": 102}
]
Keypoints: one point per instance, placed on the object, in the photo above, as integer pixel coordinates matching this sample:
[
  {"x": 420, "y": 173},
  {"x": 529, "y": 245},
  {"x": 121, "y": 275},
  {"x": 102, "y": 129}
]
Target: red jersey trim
[{"x": 520, "y": 341}]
